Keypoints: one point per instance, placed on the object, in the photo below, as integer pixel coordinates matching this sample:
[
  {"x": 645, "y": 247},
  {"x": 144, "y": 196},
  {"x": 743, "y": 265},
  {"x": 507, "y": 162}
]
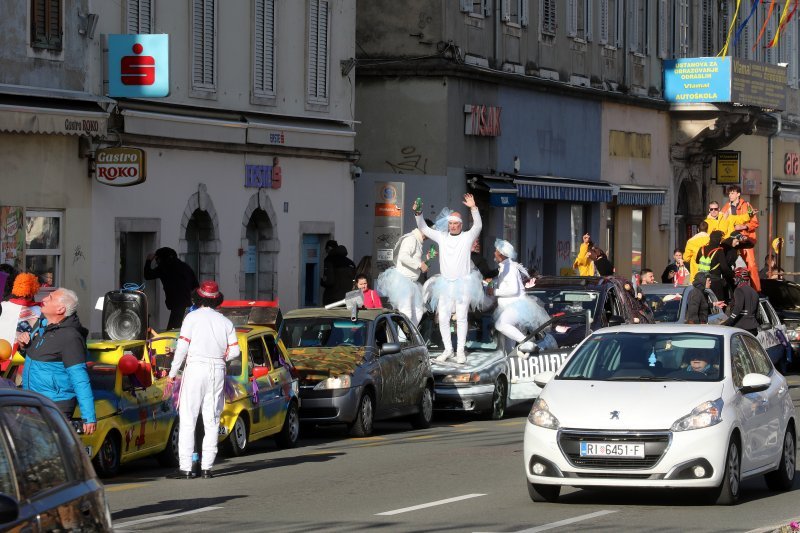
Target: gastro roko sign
[{"x": 120, "y": 167}]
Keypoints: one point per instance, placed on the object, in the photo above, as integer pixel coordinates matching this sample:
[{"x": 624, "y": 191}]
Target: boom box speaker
[{"x": 125, "y": 315}]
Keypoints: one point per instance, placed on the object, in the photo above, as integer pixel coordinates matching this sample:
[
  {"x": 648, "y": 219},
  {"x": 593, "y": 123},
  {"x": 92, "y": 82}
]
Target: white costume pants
[
  {"x": 201, "y": 388},
  {"x": 506, "y": 324},
  {"x": 444, "y": 310},
  {"x": 413, "y": 312}
]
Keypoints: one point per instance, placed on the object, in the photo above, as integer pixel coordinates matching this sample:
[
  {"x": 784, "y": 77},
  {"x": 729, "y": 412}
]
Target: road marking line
[
  {"x": 367, "y": 438},
  {"x": 420, "y": 437},
  {"x": 566, "y": 522},
  {"x": 431, "y": 504},
  {"x": 323, "y": 452},
  {"x": 469, "y": 430},
  {"x": 126, "y": 486},
  {"x": 165, "y": 517},
  {"x": 512, "y": 423}
]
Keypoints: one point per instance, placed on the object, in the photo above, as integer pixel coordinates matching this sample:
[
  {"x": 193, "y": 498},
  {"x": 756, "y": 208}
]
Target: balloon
[
  {"x": 5, "y": 350},
  {"x": 128, "y": 364}
]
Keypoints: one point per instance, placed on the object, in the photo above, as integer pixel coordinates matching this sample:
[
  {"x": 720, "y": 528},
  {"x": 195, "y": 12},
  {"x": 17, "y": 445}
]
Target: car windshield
[
  {"x": 323, "y": 332},
  {"x": 647, "y": 357},
  {"x": 665, "y": 307},
  {"x": 566, "y": 301},
  {"x": 480, "y": 335}
]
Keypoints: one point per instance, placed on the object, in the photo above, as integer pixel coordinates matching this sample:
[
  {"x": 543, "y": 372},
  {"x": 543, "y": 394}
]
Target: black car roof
[
  {"x": 339, "y": 312},
  {"x": 586, "y": 282}
]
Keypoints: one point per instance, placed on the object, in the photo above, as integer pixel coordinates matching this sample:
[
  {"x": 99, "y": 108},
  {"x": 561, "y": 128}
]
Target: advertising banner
[
  {"x": 388, "y": 226},
  {"x": 728, "y": 167}
]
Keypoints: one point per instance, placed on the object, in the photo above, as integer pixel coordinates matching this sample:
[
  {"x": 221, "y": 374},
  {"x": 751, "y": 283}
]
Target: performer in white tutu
[
  {"x": 399, "y": 283},
  {"x": 458, "y": 287},
  {"x": 515, "y": 310}
]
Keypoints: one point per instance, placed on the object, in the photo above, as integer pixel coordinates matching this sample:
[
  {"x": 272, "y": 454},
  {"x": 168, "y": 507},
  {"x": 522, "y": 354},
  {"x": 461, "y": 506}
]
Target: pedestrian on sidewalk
[{"x": 178, "y": 280}]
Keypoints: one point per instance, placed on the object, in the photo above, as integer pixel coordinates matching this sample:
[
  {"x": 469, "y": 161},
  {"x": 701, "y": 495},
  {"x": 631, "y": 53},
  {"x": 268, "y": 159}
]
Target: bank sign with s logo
[{"x": 138, "y": 65}]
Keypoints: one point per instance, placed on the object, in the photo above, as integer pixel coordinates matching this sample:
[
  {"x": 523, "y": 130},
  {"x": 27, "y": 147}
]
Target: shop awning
[
  {"x": 296, "y": 134},
  {"x": 184, "y": 127},
  {"x": 67, "y": 120},
  {"x": 563, "y": 189},
  {"x": 789, "y": 192},
  {"x": 636, "y": 195},
  {"x": 502, "y": 193}
]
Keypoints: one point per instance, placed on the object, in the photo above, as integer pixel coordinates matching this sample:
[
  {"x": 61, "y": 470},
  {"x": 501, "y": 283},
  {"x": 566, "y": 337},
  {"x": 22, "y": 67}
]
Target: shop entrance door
[
  {"x": 311, "y": 272},
  {"x": 133, "y": 249}
]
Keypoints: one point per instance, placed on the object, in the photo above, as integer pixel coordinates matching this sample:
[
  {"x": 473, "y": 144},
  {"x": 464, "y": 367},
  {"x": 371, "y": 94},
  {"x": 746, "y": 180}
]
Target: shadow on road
[{"x": 174, "y": 506}]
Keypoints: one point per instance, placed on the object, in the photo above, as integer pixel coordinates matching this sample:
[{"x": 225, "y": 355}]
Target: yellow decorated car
[
  {"x": 261, "y": 387},
  {"x": 135, "y": 418}
]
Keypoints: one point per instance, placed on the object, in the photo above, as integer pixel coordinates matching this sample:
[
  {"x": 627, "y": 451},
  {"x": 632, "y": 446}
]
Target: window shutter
[
  {"x": 466, "y": 6},
  {"x": 547, "y": 16},
  {"x": 791, "y": 48},
  {"x": 487, "y": 8},
  {"x": 603, "y": 21},
  {"x": 46, "y": 25},
  {"x": 663, "y": 28},
  {"x": 525, "y": 13},
  {"x": 318, "y": 51},
  {"x": 633, "y": 33},
  {"x": 203, "y": 34},
  {"x": 139, "y": 16},
  {"x": 505, "y": 13},
  {"x": 589, "y": 22},
  {"x": 572, "y": 18},
  {"x": 264, "y": 56},
  {"x": 620, "y": 25},
  {"x": 682, "y": 50}
]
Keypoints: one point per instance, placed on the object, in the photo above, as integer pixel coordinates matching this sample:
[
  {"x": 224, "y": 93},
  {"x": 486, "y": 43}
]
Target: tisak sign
[{"x": 120, "y": 167}]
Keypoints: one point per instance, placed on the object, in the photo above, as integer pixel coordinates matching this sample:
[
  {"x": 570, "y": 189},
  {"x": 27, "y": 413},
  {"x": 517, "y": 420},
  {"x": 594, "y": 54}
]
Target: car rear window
[
  {"x": 566, "y": 301},
  {"x": 665, "y": 307}
]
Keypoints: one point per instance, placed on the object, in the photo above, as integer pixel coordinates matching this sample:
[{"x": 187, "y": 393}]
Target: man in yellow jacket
[
  {"x": 697, "y": 241},
  {"x": 715, "y": 220},
  {"x": 583, "y": 263}
]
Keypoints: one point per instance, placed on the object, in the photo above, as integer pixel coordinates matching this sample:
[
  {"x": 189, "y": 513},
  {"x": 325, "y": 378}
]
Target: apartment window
[
  {"x": 680, "y": 25},
  {"x": 771, "y": 54},
  {"x": 639, "y": 30},
  {"x": 46, "y": 24},
  {"x": 744, "y": 46},
  {"x": 515, "y": 12},
  {"x": 789, "y": 51},
  {"x": 264, "y": 54},
  {"x": 139, "y": 16},
  {"x": 707, "y": 15},
  {"x": 664, "y": 27},
  {"x": 43, "y": 240},
  {"x": 579, "y": 19},
  {"x": 610, "y": 22},
  {"x": 318, "y": 18},
  {"x": 204, "y": 33},
  {"x": 475, "y": 7},
  {"x": 547, "y": 17}
]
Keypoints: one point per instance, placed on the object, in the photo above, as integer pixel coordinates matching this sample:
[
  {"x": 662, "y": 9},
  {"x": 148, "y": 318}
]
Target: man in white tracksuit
[
  {"x": 400, "y": 282},
  {"x": 456, "y": 289},
  {"x": 207, "y": 340}
]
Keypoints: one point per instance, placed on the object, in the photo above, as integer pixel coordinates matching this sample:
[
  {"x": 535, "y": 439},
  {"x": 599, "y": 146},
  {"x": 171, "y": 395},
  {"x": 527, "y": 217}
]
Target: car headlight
[
  {"x": 541, "y": 416},
  {"x": 474, "y": 377},
  {"x": 705, "y": 415},
  {"x": 337, "y": 382}
]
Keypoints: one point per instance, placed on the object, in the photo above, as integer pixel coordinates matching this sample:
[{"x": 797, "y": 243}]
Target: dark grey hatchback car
[{"x": 47, "y": 482}]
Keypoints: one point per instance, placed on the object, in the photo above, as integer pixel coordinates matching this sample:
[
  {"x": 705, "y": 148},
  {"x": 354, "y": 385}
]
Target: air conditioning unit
[{"x": 125, "y": 315}]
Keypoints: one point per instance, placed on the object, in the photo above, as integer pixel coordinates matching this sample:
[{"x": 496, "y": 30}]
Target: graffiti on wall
[{"x": 409, "y": 161}]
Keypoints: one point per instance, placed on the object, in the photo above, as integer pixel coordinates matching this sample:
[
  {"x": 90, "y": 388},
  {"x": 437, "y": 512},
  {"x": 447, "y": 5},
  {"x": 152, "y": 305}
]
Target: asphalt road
[{"x": 461, "y": 474}]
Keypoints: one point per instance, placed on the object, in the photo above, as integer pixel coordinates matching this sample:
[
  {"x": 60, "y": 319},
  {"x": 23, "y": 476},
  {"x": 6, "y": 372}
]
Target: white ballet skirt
[
  {"x": 398, "y": 288},
  {"x": 529, "y": 312},
  {"x": 467, "y": 290}
]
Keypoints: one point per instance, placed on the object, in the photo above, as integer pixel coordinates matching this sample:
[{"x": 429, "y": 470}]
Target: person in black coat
[
  {"x": 481, "y": 263},
  {"x": 712, "y": 260},
  {"x": 698, "y": 308},
  {"x": 338, "y": 276},
  {"x": 602, "y": 265},
  {"x": 745, "y": 303},
  {"x": 178, "y": 280}
]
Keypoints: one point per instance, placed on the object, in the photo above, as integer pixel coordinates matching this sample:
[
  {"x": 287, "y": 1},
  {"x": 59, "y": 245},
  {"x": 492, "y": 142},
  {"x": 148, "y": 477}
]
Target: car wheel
[
  {"x": 236, "y": 443},
  {"x": 169, "y": 457},
  {"x": 362, "y": 426},
  {"x": 782, "y": 479},
  {"x": 543, "y": 493},
  {"x": 499, "y": 399},
  {"x": 422, "y": 420},
  {"x": 288, "y": 436},
  {"x": 728, "y": 491},
  {"x": 106, "y": 462}
]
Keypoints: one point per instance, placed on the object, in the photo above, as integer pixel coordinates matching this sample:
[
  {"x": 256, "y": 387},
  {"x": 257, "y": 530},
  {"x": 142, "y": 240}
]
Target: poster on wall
[
  {"x": 12, "y": 236},
  {"x": 728, "y": 163},
  {"x": 790, "y": 239}
]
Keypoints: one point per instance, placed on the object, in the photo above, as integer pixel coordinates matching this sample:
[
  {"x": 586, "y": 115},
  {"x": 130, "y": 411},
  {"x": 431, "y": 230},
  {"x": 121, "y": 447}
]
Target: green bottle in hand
[{"x": 417, "y": 206}]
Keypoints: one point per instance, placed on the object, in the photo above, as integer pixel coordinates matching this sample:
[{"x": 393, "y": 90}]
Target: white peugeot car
[{"x": 662, "y": 406}]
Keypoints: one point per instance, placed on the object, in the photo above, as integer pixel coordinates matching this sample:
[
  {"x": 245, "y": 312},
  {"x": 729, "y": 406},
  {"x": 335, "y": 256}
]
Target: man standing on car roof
[
  {"x": 458, "y": 287},
  {"x": 207, "y": 340}
]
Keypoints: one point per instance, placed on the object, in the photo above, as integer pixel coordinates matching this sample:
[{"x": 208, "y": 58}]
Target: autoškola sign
[
  {"x": 120, "y": 167},
  {"x": 724, "y": 79}
]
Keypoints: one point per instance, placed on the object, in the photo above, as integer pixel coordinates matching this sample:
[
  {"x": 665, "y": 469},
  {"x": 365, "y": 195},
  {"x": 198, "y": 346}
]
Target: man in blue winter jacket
[{"x": 55, "y": 357}]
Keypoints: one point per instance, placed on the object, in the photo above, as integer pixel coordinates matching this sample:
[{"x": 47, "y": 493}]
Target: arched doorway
[
  {"x": 258, "y": 269},
  {"x": 688, "y": 212},
  {"x": 199, "y": 244}
]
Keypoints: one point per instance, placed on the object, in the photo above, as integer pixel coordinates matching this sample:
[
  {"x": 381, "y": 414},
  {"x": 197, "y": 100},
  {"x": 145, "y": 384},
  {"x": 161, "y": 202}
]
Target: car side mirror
[
  {"x": 9, "y": 509},
  {"x": 615, "y": 320},
  {"x": 543, "y": 378},
  {"x": 390, "y": 348},
  {"x": 260, "y": 371},
  {"x": 755, "y": 383}
]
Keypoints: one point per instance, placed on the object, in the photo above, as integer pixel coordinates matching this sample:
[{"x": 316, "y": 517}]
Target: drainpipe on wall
[{"x": 770, "y": 184}]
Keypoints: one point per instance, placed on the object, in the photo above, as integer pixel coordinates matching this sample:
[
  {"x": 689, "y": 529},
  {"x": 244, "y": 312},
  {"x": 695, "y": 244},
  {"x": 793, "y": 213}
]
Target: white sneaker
[
  {"x": 525, "y": 349},
  {"x": 447, "y": 354},
  {"x": 461, "y": 358}
]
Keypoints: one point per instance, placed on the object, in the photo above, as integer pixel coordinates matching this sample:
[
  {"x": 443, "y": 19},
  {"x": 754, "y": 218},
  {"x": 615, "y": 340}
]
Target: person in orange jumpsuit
[{"x": 738, "y": 207}]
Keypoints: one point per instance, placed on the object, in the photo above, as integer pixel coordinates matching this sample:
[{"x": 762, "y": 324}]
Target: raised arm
[{"x": 477, "y": 223}]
